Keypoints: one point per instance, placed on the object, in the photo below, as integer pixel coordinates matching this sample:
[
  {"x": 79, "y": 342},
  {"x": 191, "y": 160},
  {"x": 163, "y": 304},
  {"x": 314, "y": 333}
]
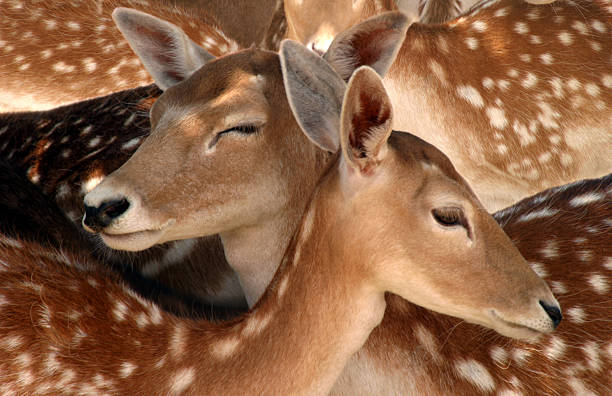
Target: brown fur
[
  {"x": 63, "y": 52},
  {"x": 497, "y": 106}
]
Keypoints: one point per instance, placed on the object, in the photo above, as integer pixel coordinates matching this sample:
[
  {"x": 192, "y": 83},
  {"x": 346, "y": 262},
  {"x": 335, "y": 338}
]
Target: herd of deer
[{"x": 255, "y": 223}]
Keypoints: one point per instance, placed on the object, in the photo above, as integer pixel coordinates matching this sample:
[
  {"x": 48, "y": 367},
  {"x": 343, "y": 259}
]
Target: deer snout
[
  {"x": 99, "y": 217},
  {"x": 553, "y": 311}
]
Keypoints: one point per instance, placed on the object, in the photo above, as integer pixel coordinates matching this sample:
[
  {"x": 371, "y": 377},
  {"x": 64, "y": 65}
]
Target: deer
[
  {"x": 515, "y": 118},
  {"x": 66, "y": 151},
  {"x": 329, "y": 291},
  {"x": 58, "y": 53},
  {"x": 211, "y": 101}
]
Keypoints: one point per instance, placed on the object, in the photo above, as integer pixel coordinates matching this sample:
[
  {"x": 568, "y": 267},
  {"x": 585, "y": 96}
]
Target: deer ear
[
  {"x": 314, "y": 92},
  {"x": 366, "y": 120},
  {"x": 167, "y": 53},
  {"x": 373, "y": 42}
]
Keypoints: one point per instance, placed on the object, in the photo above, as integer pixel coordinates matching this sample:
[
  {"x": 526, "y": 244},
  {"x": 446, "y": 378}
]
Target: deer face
[{"x": 219, "y": 157}]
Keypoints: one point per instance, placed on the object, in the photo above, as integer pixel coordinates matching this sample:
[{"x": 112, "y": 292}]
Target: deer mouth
[
  {"x": 136, "y": 240},
  {"x": 515, "y": 330}
]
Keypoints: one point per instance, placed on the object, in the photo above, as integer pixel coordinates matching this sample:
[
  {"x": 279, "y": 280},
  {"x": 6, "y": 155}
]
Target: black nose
[
  {"x": 100, "y": 217},
  {"x": 554, "y": 313}
]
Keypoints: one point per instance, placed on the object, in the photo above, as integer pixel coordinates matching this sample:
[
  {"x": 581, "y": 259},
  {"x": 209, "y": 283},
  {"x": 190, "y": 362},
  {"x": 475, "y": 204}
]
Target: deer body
[{"x": 519, "y": 96}]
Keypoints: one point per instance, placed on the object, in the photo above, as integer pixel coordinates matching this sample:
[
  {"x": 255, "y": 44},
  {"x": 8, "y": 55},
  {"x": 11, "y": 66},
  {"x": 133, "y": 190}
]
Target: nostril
[
  {"x": 97, "y": 218},
  {"x": 114, "y": 209},
  {"x": 554, "y": 313}
]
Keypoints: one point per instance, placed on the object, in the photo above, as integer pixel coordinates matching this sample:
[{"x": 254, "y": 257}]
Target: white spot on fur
[
  {"x": 499, "y": 355},
  {"x": 497, "y": 117},
  {"x": 126, "y": 369},
  {"x": 89, "y": 64},
  {"x": 428, "y": 342},
  {"x": 598, "y": 25},
  {"x": 550, "y": 249},
  {"x": 558, "y": 287},
  {"x": 130, "y": 144},
  {"x": 120, "y": 311},
  {"x": 520, "y": 356},
  {"x": 256, "y": 324},
  {"x": 471, "y": 95},
  {"x": 472, "y": 43},
  {"x": 539, "y": 269},
  {"x": 479, "y": 26},
  {"x": 566, "y": 38},
  {"x": 580, "y": 27},
  {"x": 576, "y": 314},
  {"x": 178, "y": 342},
  {"x": 538, "y": 214},
  {"x": 488, "y": 83},
  {"x": 476, "y": 373},
  {"x": 534, "y": 39},
  {"x": 556, "y": 349},
  {"x": 73, "y": 25},
  {"x": 438, "y": 71},
  {"x": 62, "y": 67},
  {"x": 546, "y": 58},
  {"x": 599, "y": 283},
  {"x": 182, "y": 379},
  {"x": 587, "y": 199},
  {"x": 225, "y": 348},
  {"x": 608, "y": 263},
  {"x": 521, "y": 28},
  {"x": 606, "y": 80},
  {"x": 591, "y": 350}
]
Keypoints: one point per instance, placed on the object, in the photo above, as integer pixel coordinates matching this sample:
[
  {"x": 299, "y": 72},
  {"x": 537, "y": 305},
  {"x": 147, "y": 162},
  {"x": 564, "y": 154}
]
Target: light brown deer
[
  {"x": 325, "y": 300},
  {"x": 56, "y": 53},
  {"x": 67, "y": 151}
]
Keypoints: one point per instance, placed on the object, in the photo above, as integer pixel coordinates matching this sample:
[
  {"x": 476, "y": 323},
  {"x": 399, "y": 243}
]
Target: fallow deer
[
  {"x": 56, "y": 53},
  {"x": 326, "y": 298},
  {"x": 67, "y": 151},
  {"x": 517, "y": 95}
]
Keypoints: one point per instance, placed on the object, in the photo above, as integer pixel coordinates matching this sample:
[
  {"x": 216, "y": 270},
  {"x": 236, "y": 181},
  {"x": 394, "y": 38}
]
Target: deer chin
[
  {"x": 136, "y": 240},
  {"x": 514, "y": 330}
]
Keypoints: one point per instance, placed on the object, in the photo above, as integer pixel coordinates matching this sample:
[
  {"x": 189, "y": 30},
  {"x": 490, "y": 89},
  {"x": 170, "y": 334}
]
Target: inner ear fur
[
  {"x": 374, "y": 42},
  {"x": 167, "y": 53},
  {"x": 366, "y": 120}
]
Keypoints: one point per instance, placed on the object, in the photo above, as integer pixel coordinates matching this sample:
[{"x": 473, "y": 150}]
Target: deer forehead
[{"x": 197, "y": 106}]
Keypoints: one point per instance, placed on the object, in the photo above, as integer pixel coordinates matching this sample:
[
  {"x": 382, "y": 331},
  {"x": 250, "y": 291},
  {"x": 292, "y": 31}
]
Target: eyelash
[
  {"x": 449, "y": 217},
  {"x": 241, "y": 129}
]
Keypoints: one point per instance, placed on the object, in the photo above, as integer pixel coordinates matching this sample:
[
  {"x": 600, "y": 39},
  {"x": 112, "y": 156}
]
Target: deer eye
[
  {"x": 246, "y": 129},
  {"x": 450, "y": 217}
]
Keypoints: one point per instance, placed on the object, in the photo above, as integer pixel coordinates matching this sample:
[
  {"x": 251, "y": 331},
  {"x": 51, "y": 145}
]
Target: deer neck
[
  {"x": 303, "y": 304},
  {"x": 254, "y": 252}
]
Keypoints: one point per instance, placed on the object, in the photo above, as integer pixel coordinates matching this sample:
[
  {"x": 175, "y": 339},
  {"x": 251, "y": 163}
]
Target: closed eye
[
  {"x": 451, "y": 217},
  {"x": 247, "y": 129}
]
